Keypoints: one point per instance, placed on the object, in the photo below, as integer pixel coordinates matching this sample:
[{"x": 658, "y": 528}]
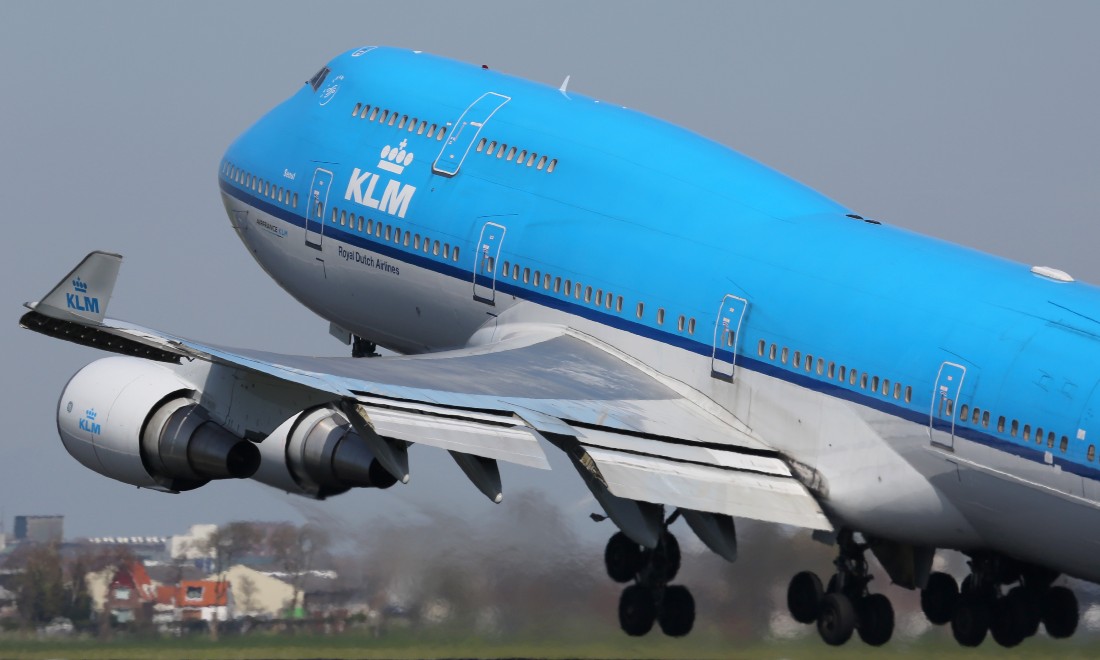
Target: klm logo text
[
  {"x": 362, "y": 186},
  {"x": 79, "y": 300},
  {"x": 88, "y": 423}
]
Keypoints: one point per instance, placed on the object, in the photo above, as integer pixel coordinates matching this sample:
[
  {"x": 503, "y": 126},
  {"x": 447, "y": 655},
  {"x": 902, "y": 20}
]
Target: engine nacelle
[
  {"x": 138, "y": 422},
  {"x": 318, "y": 454}
]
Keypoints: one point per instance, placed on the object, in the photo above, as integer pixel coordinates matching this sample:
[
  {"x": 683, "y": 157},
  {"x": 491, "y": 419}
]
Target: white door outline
[
  {"x": 316, "y": 203},
  {"x": 465, "y": 131},
  {"x": 945, "y": 398},
  {"x": 727, "y": 336},
  {"x": 486, "y": 257}
]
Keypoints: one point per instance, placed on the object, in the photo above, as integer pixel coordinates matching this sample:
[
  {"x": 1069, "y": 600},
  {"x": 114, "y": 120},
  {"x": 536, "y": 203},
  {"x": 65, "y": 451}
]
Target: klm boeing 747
[{"x": 701, "y": 336}]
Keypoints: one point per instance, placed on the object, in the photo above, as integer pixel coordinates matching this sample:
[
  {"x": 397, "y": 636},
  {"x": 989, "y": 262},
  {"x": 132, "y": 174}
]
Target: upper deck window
[{"x": 318, "y": 78}]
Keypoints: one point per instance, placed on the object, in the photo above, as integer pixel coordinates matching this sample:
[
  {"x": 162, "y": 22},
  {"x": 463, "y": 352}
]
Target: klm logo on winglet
[
  {"x": 396, "y": 196},
  {"x": 88, "y": 423},
  {"x": 79, "y": 300}
]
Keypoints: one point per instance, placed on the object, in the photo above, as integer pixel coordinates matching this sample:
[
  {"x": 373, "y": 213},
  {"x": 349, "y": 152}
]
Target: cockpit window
[{"x": 318, "y": 78}]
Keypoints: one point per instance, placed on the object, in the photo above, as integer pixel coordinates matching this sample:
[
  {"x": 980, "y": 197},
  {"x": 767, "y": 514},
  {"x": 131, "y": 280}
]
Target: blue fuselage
[{"x": 416, "y": 201}]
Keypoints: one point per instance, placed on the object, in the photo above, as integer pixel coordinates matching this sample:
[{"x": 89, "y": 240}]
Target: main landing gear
[
  {"x": 979, "y": 607},
  {"x": 845, "y": 605},
  {"x": 650, "y": 598}
]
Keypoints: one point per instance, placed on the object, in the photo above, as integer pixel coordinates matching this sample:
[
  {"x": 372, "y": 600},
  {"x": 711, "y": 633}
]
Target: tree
[
  {"x": 296, "y": 548},
  {"x": 41, "y": 587},
  {"x": 225, "y": 546}
]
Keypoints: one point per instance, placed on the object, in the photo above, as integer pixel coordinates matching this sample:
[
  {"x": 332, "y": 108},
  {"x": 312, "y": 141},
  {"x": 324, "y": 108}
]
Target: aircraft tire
[
  {"x": 637, "y": 611},
  {"x": 876, "y": 620},
  {"x": 623, "y": 558},
  {"x": 677, "y": 616},
  {"x": 939, "y": 598},
  {"x": 804, "y": 594},
  {"x": 837, "y": 619},
  {"x": 1030, "y": 603},
  {"x": 970, "y": 623},
  {"x": 1060, "y": 615}
]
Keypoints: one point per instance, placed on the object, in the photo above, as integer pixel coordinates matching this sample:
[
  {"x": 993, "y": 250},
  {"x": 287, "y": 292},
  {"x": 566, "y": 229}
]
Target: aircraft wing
[{"x": 643, "y": 436}]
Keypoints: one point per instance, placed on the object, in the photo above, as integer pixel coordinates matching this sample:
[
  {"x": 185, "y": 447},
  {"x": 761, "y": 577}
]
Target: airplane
[{"x": 703, "y": 337}]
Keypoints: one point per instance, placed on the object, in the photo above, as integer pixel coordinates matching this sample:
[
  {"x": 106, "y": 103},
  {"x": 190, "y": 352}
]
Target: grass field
[{"x": 440, "y": 644}]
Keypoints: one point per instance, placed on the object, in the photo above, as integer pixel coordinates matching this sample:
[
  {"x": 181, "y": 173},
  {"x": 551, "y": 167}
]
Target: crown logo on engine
[
  {"x": 80, "y": 286},
  {"x": 90, "y": 413},
  {"x": 395, "y": 159}
]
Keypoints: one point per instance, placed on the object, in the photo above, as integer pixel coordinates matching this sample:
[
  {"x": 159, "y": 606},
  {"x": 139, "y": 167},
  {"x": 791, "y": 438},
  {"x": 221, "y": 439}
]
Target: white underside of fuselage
[{"x": 871, "y": 471}]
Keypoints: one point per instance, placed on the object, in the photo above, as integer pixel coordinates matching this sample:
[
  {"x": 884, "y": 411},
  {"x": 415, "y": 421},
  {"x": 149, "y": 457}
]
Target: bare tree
[
  {"x": 296, "y": 548},
  {"x": 226, "y": 545}
]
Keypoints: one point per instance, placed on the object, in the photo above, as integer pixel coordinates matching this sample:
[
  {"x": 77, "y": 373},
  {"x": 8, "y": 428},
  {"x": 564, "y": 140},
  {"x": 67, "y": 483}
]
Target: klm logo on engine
[
  {"x": 88, "y": 423},
  {"x": 396, "y": 195},
  {"x": 79, "y": 300}
]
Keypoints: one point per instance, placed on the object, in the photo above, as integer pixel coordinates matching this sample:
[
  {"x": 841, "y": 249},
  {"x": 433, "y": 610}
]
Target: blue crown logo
[
  {"x": 90, "y": 413},
  {"x": 395, "y": 159},
  {"x": 80, "y": 286}
]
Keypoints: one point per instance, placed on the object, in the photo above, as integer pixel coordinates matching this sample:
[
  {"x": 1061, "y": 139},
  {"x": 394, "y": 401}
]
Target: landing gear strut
[
  {"x": 845, "y": 606},
  {"x": 650, "y": 599},
  {"x": 979, "y": 608}
]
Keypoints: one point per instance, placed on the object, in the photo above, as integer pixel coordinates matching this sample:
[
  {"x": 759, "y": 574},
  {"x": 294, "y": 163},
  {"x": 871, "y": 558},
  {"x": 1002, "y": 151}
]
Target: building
[
  {"x": 131, "y": 595},
  {"x": 197, "y": 600},
  {"x": 39, "y": 529}
]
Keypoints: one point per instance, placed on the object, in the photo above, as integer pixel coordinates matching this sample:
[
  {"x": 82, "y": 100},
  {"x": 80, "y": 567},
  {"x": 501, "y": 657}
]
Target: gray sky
[{"x": 975, "y": 122}]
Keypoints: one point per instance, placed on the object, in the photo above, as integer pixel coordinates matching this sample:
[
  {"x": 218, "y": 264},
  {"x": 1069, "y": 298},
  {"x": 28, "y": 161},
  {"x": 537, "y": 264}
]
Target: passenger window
[
  {"x": 500, "y": 151},
  {"x": 797, "y": 359},
  {"x": 546, "y": 281},
  {"x": 619, "y": 304},
  {"x": 908, "y": 393},
  {"x": 295, "y": 200},
  {"x": 588, "y": 294},
  {"x": 1092, "y": 453},
  {"x": 431, "y": 130},
  {"x": 820, "y": 366},
  {"x": 1038, "y": 435},
  {"x": 963, "y": 412},
  {"x": 552, "y": 165},
  {"x": 481, "y": 145},
  {"x": 771, "y": 352},
  {"x": 406, "y": 241},
  {"x": 373, "y": 114},
  {"x": 404, "y": 120},
  {"x": 599, "y": 297},
  {"x": 760, "y": 348},
  {"x": 416, "y": 241},
  {"x": 420, "y": 130},
  {"x": 832, "y": 370},
  {"x": 442, "y": 132},
  {"x": 975, "y": 417},
  {"x": 1015, "y": 428},
  {"x": 897, "y": 390},
  {"x": 522, "y": 155},
  {"x": 542, "y": 162},
  {"x": 1027, "y": 431},
  {"x": 385, "y": 116},
  {"x": 511, "y": 154},
  {"x": 454, "y": 254},
  {"x": 363, "y": 114},
  {"x": 874, "y": 384},
  {"x": 393, "y": 118},
  {"x": 412, "y": 124},
  {"x": 660, "y": 316},
  {"x": 852, "y": 376},
  {"x": 577, "y": 290},
  {"x": 885, "y": 387},
  {"x": 531, "y": 159},
  {"x": 1063, "y": 445},
  {"x": 389, "y": 233},
  {"x": 1050, "y": 440},
  {"x": 343, "y": 218},
  {"x": 526, "y": 275},
  {"x": 557, "y": 285},
  {"x": 783, "y": 356},
  {"x": 985, "y": 419},
  {"x": 356, "y": 110},
  {"x": 435, "y": 247},
  {"x": 680, "y": 323},
  {"x": 863, "y": 382},
  {"x": 1001, "y": 424}
]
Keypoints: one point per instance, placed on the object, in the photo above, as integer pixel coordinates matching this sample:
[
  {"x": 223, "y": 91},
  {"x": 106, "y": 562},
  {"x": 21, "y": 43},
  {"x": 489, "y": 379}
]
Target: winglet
[{"x": 84, "y": 293}]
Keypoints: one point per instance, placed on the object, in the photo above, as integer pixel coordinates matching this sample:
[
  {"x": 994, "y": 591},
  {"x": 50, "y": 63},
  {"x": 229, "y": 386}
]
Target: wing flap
[{"x": 704, "y": 488}]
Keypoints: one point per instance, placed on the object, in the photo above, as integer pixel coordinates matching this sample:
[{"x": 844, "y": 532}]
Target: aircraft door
[
  {"x": 485, "y": 262},
  {"x": 465, "y": 132},
  {"x": 945, "y": 396},
  {"x": 727, "y": 334},
  {"x": 316, "y": 204}
]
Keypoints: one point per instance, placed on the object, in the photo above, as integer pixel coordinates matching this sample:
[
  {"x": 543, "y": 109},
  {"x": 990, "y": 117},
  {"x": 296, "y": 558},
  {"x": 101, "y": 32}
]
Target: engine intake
[{"x": 138, "y": 422}]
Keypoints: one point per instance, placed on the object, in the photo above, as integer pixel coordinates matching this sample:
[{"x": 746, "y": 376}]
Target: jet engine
[
  {"x": 318, "y": 454},
  {"x": 138, "y": 422}
]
